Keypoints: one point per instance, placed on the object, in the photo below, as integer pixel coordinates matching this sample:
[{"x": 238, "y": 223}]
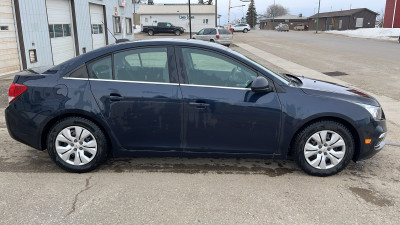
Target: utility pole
[
  {"x": 229, "y": 15},
  {"x": 273, "y": 17},
  {"x": 319, "y": 6},
  {"x": 216, "y": 14},
  {"x": 190, "y": 22}
]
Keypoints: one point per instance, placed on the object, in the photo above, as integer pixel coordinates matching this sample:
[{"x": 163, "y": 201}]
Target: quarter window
[
  {"x": 150, "y": 65},
  {"x": 100, "y": 69},
  {"x": 212, "y": 69}
]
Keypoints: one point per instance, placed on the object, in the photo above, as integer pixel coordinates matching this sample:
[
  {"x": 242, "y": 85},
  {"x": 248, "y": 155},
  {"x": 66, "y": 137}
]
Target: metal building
[
  {"x": 49, "y": 32},
  {"x": 392, "y": 14}
]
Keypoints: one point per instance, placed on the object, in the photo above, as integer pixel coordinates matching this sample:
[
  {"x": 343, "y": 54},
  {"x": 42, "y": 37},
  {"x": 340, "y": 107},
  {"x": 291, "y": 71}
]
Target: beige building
[
  {"x": 9, "y": 57},
  {"x": 203, "y": 16}
]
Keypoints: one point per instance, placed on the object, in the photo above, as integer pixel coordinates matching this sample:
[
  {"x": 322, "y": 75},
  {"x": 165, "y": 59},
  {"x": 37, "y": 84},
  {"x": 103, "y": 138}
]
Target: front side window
[
  {"x": 117, "y": 24},
  {"x": 101, "y": 68},
  {"x": 149, "y": 65},
  {"x": 201, "y": 32},
  {"x": 212, "y": 69}
]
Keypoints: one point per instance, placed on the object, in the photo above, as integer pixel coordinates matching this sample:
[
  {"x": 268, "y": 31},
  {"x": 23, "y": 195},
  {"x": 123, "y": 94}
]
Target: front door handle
[
  {"x": 199, "y": 104},
  {"x": 115, "y": 97}
]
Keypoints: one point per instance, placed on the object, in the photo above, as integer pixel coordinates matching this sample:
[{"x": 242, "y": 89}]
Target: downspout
[{"x": 394, "y": 13}]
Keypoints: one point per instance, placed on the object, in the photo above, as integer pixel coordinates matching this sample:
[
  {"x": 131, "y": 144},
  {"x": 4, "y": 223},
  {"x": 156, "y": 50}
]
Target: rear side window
[
  {"x": 101, "y": 68},
  {"x": 81, "y": 72},
  {"x": 224, "y": 31},
  {"x": 150, "y": 65},
  {"x": 213, "y": 31}
]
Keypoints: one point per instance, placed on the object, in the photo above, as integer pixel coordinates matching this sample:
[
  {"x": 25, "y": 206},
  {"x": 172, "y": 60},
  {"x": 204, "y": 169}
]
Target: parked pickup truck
[{"x": 163, "y": 27}]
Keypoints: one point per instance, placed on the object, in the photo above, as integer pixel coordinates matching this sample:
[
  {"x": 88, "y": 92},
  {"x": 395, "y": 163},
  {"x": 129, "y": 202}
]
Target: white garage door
[
  {"x": 97, "y": 26},
  {"x": 60, "y": 28},
  {"x": 8, "y": 40}
]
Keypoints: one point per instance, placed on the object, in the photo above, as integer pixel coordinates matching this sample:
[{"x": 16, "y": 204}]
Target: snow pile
[
  {"x": 375, "y": 33},
  {"x": 137, "y": 29}
]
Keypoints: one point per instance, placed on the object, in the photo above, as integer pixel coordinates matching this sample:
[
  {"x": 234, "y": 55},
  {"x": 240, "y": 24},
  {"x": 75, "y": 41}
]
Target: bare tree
[
  {"x": 276, "y": 10},
  {"x": 381, "y": 17}
]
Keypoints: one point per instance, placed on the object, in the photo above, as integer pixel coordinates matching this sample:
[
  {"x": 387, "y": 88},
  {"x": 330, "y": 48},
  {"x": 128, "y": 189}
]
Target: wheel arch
[
  {"x": 82, "y": 114},
  {"x": 349, "y": 125}
]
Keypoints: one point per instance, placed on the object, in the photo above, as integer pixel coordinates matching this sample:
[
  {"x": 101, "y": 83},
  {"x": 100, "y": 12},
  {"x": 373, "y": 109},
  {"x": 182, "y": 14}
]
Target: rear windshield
[{"x": 224, "y": 31}]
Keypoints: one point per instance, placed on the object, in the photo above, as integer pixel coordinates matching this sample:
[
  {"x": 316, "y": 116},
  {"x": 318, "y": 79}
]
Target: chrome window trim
[
  {"x": 146, "y": 82},
  {"x": 210, "y": 86},
  {"x": 121, "y": 81}
]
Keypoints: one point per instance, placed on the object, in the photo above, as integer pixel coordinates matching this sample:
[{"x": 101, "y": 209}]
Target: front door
[
  {"x": 138, "y": 94},
  {"x": 221, "y": 113}
]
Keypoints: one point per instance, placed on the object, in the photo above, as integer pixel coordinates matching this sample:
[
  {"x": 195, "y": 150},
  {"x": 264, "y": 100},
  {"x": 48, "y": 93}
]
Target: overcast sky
[{"x": 307, "y": 7}]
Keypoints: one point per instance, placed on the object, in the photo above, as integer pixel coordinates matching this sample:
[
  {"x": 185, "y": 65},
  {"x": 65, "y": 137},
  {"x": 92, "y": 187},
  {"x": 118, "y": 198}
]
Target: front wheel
[
  {"x": 324, "y": 148},
  {"x": 77, "y": 145}
]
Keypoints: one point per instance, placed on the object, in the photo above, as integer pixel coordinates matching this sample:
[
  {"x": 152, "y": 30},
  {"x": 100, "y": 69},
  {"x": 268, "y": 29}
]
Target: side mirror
[{"x": 260, "y": 84}]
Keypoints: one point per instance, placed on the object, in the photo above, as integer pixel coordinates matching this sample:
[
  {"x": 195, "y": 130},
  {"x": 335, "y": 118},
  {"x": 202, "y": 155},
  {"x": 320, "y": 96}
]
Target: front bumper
[{"x": 376, "y": 131}]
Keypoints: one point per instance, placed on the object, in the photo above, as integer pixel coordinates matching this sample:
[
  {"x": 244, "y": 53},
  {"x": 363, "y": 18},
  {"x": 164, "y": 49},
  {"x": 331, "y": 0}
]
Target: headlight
[{"x": 376, "y": 112}]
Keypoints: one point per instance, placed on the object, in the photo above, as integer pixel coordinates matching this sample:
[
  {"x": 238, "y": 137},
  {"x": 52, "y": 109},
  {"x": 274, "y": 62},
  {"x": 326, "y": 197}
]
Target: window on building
[
  {"x": 205, "y": 21},
  {"x": 59, "y": 30},
  {"x": 146, "y": 19},
  {"x": 128, "y": 22},
  {"x": 117, "y": 24},
  {"x": 32, "y": 56},
  {"x": 3, "y": 27},
  {"x": 97, "y": 28}
]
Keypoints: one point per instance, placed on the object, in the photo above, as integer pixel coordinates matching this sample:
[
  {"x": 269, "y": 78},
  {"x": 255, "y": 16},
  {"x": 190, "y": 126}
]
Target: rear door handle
[
  {"x": 115, "y": 97},
  {"x": 199, "y": 104}
]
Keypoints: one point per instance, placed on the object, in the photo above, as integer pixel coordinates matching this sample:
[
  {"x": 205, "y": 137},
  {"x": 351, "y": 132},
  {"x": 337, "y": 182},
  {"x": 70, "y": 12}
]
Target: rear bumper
[
  {"x": 224, "y": 42},
  {"x": 21, "y": 127}
]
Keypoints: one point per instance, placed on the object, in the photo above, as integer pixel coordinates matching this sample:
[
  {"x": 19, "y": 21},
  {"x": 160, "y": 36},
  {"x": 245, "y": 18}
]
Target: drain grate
[{"x": 335, "y": 74}]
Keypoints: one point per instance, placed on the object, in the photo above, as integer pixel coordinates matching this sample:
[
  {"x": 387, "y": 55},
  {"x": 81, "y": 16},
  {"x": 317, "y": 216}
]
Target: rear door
[
  {"x": 138, "y": 93},
  {"x": 221, "y": 113}
]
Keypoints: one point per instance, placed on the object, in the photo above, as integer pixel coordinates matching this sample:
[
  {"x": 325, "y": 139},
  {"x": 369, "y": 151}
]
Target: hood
[{"x": 323, "y": 88}]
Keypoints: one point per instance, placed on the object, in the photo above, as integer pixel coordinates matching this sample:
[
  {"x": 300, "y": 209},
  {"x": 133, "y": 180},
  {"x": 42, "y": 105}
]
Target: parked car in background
[
  {"x": 241, "y": 27},
  {"x": 217, "y": 35},
  {"x": 282, "y": 27},
  {"x": 163, "y": 27},
  {"x": 182, "y": 97},
  {"x": 299, "y": 27}
]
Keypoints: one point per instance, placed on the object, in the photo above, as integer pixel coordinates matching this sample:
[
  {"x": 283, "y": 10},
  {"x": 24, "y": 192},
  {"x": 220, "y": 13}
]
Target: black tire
[
  {"x": 245, "y": 31},
  {"x": 102, "y": 145},
  {"x": 177, "y": 32},
  {"x": 150, "y": 32},
  {"x": 306, "y": 133},
  {"x": 212, "y": 40}
]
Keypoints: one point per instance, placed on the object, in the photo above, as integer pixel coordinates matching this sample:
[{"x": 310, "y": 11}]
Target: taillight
[
  {"x": 217, "y": 36},
  {"x": 15, "y": 90}
]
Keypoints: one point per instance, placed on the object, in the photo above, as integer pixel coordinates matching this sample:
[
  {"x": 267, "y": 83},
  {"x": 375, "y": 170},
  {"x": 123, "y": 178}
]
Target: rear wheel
[
  {"x": 245, "y": 31},
  {"x": 177, "y": 32},
  {"x": 77, "y": 145},
  {"x": 150, "y": 32},
  {"x": 324, "y": 148}
]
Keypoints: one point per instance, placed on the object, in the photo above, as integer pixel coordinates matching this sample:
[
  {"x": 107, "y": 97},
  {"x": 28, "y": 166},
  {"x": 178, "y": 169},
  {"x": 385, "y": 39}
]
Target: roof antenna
[{"x": 109, "y": 31}]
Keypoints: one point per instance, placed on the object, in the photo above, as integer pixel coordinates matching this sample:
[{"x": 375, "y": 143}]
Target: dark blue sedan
[{"x": 187, "y": 96}]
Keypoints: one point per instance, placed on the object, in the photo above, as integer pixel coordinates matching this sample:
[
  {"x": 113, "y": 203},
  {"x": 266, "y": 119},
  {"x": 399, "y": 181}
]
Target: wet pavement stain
[
  {"x": 125, "y": 165},
  {"x": 371, "y": 196}
]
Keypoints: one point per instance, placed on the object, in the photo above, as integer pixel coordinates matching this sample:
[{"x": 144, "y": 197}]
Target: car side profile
[
  {"x": 217, "y": 35},
  {"x": 241, "y": 27},
  {"x": 169, "y": 96}
]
